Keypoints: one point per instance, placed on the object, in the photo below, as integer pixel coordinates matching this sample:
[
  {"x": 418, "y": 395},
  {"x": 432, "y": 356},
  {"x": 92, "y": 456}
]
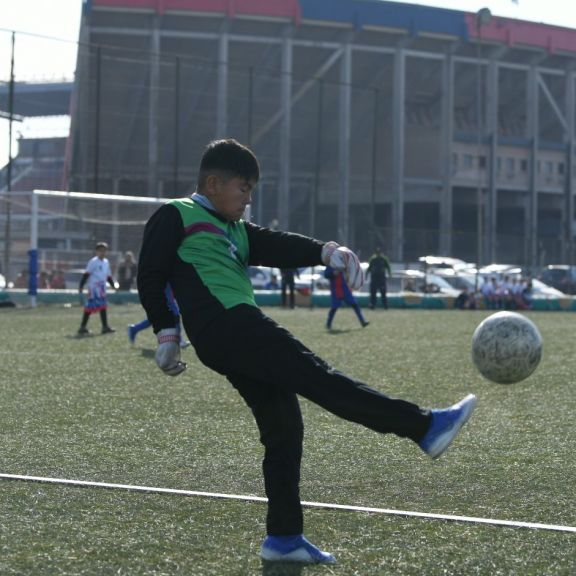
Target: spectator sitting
[
  {"x": 272, "y": 284},
  {"x": 57, "y": 281},
  {"x": 516, "y": 293},
  {"x": 505, "y": 293},
  {"x": 43, "y": 279},
  {"x": 527, "y": 294},
  {"x": 465, "y": 300},
  {"x": 488, "y": 291}
]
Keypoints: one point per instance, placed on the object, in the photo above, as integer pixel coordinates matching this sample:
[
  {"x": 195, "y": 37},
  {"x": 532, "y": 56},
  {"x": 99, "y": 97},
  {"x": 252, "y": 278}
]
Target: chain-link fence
[{"x": 344, "y": 152}]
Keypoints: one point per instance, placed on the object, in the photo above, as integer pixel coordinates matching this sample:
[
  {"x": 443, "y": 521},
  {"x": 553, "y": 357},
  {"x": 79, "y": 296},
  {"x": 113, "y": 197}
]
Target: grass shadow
[{"x": 282, "y": 568}]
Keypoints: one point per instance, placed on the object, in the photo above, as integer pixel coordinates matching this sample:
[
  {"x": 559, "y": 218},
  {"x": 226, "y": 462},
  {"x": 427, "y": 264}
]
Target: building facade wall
[{"x": 375, "y": 123}]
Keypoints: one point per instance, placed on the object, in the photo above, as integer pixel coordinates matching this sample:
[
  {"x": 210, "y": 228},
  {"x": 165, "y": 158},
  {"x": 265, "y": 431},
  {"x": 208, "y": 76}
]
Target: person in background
[
  {"x": 488, "y": 291},
  {"x": 272, "y": 284},
  {"x": 339, "y": 293},
  {"x": 516, "y": 293},
  {"x": 97, "y": 273},
  {"x": 43, "y": 280},
  {"x": 528, "y": 294},
  {"x": 127, "y": 271},
  {"x": 465, "y": 300},
  {"x": 58, "y": 280},
  {"x": 504, "y": 291},
  {"x": 379, "y": 271},
  {"x": 288, "y": 286}
]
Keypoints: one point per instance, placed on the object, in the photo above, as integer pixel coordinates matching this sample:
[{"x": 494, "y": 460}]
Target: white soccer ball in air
[{"x": 506, "y": 347}]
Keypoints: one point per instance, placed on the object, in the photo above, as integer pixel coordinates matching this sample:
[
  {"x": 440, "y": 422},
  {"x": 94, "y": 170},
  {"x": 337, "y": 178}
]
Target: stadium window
[
  {"x": 482, "y": 162},
  {"x": 524, "y": 165},
  {"x": 561, "y": 168},
  {"x": 468, "y": 161},
  {"x": 549, "y": 167},
  {"x": 510, "y": 165}
]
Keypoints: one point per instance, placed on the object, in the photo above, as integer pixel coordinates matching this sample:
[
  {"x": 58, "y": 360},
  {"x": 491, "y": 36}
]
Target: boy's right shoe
[
  {"x": 293, "y": 549},
  {"x": 132, "y": 333},
  {"x": 445, "y": 425},
  {"x": 83, "y": 331}
]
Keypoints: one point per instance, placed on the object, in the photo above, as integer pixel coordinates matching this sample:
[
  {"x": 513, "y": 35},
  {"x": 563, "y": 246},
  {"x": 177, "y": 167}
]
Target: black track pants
[{"x": 269, "y": 367}]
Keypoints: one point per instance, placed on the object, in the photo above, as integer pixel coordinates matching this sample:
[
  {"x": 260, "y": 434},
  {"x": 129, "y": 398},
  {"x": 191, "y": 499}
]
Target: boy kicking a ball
[{"x": 203, "y": 248}]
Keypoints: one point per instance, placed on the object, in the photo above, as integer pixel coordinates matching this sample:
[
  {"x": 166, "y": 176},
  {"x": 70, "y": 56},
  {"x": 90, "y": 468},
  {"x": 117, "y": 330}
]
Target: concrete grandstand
[{"x": 419, "y": 129}]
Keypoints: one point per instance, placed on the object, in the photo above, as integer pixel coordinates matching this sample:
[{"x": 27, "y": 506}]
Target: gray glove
[{"x": 168, "y": 352}]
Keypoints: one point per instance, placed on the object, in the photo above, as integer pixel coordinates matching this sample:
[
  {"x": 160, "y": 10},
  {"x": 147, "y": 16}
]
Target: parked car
[
  {"x": 261, "y": 277},
  {"x": 444, "y": 263},
  {"x": 461, "y": 280},
  {"x": 310, "y": 278},
  {"x": 499, "y": 270},
  {"x": 559, "y": 276},
  {"x": 418, "y": 281},
  {"x": 539, "y": 288}
]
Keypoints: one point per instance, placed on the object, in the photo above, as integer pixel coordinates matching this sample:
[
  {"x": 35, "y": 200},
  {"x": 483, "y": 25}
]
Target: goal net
[{"x": 65, "y": 226}]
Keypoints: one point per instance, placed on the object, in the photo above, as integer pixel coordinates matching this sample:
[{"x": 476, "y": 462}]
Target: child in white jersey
[{"x": 97, "y": 273}]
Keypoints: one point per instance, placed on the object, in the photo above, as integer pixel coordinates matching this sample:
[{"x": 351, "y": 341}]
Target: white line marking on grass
[{"x": 471, "y": 519}]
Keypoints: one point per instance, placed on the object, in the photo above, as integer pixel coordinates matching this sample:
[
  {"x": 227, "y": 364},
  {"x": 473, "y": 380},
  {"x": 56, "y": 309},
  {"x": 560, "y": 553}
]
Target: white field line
[{"x": 471, "y": 519}]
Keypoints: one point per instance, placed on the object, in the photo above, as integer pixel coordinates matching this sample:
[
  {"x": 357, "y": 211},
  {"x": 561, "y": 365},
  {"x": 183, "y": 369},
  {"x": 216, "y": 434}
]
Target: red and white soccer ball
[{"x": 506, "y": 347}]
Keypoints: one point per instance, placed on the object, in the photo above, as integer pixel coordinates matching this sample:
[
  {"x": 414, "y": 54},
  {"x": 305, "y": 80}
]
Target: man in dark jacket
[
  {"x": 288, "y": 286},
  {"x": 203, "y": 247},
  {"x": 378, "y": 269}
]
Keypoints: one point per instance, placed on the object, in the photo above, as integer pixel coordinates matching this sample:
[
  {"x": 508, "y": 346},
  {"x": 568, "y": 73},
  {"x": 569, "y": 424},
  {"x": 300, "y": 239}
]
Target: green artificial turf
[{"x": 97, "y": 409}]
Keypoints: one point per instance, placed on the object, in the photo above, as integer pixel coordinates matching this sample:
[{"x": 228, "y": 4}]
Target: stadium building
[{"x": 419, "y": 129}]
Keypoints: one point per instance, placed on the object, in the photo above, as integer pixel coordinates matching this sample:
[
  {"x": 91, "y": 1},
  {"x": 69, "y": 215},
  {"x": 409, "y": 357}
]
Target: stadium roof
[
  {"x": 37, "y": 99},
  {"x": 368, "y": 14}
]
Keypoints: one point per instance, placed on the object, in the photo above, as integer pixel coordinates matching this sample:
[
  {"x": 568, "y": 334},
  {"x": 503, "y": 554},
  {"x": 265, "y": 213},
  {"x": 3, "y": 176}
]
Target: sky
[{"x": 48, "y": 29}]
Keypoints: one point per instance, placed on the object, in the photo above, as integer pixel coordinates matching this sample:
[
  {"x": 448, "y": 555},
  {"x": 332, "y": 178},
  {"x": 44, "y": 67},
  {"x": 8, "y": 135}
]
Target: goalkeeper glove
[
  {"x": 343, "y": 259},
  {"x": 168, "y": 352}
]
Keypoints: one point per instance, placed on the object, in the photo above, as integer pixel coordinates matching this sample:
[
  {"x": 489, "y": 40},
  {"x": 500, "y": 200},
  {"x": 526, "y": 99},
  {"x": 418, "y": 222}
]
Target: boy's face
[
  {"x": 101, "y": 253},
  {"x": 229, "y": 197}
]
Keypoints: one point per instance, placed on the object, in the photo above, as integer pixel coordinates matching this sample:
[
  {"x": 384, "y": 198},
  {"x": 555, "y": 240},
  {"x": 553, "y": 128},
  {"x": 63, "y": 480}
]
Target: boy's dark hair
[
  {"x": 101, "y": 245},
  {"x": 228, "y": 159}
]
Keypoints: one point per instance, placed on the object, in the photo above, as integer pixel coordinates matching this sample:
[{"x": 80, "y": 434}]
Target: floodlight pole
[
  {"x": 483, "y": 17},
  {"x": 7, "y": 230}
]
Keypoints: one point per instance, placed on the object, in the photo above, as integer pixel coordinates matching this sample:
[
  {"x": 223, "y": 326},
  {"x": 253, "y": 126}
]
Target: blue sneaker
[
  {"x": 132, "y": 333},
  {"x": 445, "y": 425},
  {"x": 293, "y": 549}
]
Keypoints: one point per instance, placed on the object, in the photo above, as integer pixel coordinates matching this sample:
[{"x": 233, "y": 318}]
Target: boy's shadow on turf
[
  {"x": 148, "y": 353},
  {"x": 85, "y": 336},
  {"x": 336, "y": 331},
  {"x": 282, "y": 568}
]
